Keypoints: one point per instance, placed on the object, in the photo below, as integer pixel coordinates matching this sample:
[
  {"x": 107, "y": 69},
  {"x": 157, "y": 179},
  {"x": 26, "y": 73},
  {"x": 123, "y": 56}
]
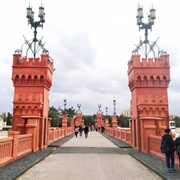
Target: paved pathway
[{"x": 92, "y": 158}]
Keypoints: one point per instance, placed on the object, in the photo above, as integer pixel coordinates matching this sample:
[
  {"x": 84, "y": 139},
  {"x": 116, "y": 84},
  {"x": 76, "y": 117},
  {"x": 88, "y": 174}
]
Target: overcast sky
[{"x": 91, "y": 42}]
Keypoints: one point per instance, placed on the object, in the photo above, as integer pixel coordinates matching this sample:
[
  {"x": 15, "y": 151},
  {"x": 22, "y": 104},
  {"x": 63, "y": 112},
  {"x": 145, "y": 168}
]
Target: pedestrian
[
  {"x": 86, "y": 130},
  {"x": 177, "y": 147},
  {"x": 170, "y": 153},
  {"x": 102, "y": 129},
  {"x": 76, "y": 131},
  {"x": 80, "y": 130}
]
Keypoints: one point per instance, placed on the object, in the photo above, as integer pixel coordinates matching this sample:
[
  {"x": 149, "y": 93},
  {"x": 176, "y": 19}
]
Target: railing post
[{"x": 15, "y": 135}]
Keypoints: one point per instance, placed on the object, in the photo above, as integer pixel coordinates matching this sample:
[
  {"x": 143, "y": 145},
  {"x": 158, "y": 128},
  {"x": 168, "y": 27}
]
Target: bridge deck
[{"x": 100, "y": 156}]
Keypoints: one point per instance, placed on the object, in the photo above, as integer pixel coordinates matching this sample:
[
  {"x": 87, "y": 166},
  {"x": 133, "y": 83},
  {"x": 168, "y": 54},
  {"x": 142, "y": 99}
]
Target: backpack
[
  {"x": 178, "y": 149},
  {"x": 164, "y": 148}
]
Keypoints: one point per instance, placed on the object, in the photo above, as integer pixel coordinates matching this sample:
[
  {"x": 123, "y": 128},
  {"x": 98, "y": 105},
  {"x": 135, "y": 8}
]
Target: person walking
[
  {"x": 86, "y": 130},
  {"x": 170, "y": 153},
  {"x": 80, "y": 130},
  {"x": 76, "y": 131}
]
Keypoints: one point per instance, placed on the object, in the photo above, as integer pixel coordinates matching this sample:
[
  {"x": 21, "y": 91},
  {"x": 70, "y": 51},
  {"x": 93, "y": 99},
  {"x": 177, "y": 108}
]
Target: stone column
[{"x": 64, "y": 124}]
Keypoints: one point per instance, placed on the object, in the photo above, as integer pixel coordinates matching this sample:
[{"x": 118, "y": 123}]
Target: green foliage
[
  {"x": 7, "y": 118},
  {"x": 123, "y": 121},
  {"x": 71, "y": 112},
  {"x": 177, "y": 121},
  {"x": 54, "y": 114},
  {"x": 89, "y": 120}
]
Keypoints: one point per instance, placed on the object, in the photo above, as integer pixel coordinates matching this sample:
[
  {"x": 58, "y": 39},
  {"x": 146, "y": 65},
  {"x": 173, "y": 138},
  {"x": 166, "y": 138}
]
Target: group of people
[
  {"x": 80, "y": 129},
  {"x": 172, "y": 147}
]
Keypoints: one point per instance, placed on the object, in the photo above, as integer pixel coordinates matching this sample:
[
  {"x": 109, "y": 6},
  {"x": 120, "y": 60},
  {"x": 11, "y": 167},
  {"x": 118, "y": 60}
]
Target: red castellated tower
[
  {"x": 99, "y": 119},
  {"x": 148, "y": 83},
  {"x": 79, "y": 121},
  {"x": 79, "y": 117},
  {"x": 32, "y": 80}
]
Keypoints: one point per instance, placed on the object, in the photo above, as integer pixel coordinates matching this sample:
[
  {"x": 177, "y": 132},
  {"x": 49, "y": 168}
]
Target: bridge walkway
[{"x": 98, "y": 157}]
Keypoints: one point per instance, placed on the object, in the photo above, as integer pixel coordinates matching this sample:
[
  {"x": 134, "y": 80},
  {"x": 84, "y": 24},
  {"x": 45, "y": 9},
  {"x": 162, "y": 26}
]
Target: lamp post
[
  {"x": 106, "y": 111},
  {"x": 35, "y": 25},
  {"x": 65, "y": 103},
  {"x": 99, "y": 110},
  {"x": 64, "y": 119},
  {"x": 145, "y": 26},
  {"x": 114, "y": 104},
  {"x": 79, "y": 106}
]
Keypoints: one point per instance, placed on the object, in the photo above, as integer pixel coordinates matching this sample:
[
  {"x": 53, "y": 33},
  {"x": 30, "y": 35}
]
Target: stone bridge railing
[
  {"x": 14, "y": 147},
  {"x": 18, "y": 145},
  {"x": 123, "y": 134},
  {"x": 154, "y": 142}
]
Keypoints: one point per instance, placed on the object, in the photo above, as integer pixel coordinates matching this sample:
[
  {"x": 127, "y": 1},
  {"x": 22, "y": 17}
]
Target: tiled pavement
[{"x": 101, "y": 159}]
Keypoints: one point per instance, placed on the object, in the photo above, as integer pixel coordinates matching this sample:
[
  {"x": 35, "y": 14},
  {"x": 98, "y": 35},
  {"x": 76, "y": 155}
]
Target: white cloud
[{"x": 90, "y": 42}]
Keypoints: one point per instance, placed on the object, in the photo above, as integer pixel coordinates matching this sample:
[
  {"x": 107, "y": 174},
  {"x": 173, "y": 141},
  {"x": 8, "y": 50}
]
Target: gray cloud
[{"x": 90, "y": 43}]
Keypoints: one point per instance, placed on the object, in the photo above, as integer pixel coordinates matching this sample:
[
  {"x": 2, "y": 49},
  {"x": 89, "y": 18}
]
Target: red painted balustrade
[
  {"x": 55, "y": 134},
  {"x": 15, "y": 146},
  {"x": 123, "y": 134},
  {"x": 58, "y": 133},
  {"x": 18, "y": 145},
  {"x": 153, "y": 146}
]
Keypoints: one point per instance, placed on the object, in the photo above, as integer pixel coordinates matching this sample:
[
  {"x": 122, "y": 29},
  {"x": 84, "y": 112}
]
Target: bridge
[
  {"x": 32, "y": 138},
  {"x": 100, "y": 156}
]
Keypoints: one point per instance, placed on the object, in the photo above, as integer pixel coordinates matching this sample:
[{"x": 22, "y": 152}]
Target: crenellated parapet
[
  {"x": 44, "y": 61},
  {"x": 32, "y": 71},
  {"x": 136, "y": 61},
  {"x": 149, "y": 72}
]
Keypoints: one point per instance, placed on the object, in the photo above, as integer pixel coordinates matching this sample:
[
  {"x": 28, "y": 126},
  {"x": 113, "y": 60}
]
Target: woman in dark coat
[
  {"x": 170, "y": 154},
  {"x": 177, "y": 146}
]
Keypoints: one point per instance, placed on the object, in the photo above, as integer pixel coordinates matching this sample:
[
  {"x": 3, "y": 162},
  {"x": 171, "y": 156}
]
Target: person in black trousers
[
  {"x": 86, "y": 130},
  {"x": 170, "y": 154}
]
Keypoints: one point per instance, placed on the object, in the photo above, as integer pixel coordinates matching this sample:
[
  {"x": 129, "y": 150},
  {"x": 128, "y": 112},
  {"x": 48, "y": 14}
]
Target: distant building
[
  {"x": 1, "y": 123},
  {"x": 126, "y": 113},
  {"x": 171, "y": 116}
]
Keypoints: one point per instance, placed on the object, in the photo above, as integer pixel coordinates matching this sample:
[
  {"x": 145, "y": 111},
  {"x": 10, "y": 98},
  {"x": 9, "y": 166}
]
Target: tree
[
  {"x": 177, "y": 121},
  {"x": 89, "y": 120},
  {"x": 123, "y": 121},
  {"x": 54, "y": 114},
  {"x": 70, "y": 114},
  {"x": 3, "y": 116},
  {"x": 7, "y": 118}
]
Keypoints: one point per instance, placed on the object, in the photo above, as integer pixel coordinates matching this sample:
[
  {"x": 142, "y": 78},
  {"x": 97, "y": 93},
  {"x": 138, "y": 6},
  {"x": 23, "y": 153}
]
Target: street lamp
[
  {"x": 114, "y": 104},
  {"x": 99, "y": 110},
  {"x": 65, "y": 102},
  {"x": 79, "y": 106},
  {"x": 145, "y": 26},
  {"x": 106, "y": 111},
  {"x": 35, "y": 25}
]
